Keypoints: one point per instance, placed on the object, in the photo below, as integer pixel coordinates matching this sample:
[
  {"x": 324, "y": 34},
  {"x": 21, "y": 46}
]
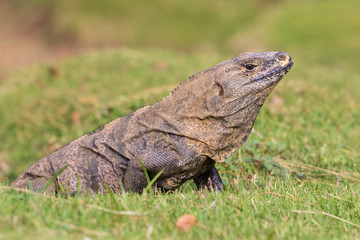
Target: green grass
[
  {"x": 297, "y": 176},
  {"x": 280, "y": 210}
]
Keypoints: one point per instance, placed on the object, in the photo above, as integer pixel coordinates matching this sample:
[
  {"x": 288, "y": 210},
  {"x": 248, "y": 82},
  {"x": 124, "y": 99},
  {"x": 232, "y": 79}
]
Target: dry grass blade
[
  {"x": 24, "y": 190},
  {"x": 327, "y": 214},
  {"x": 331, "y": 195},
  {"x": 300, "y": 167},
  {"x": 253, "y": 203},
  {"x": 82, "y": 229},
  {"x": 128, "y": 213},
  {"x": 280, "y": 195},
  {"x": 17, "y": 189}
]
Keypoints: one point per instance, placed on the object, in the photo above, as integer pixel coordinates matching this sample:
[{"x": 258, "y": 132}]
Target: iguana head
[
  {"x": 244, "y": 80},
  {"x": 232, "y": 85}
]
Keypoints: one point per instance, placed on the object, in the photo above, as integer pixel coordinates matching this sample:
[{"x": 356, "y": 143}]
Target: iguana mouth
[
  {"x": 281, "y": 71},
  {"x": 288, "y": 66}
]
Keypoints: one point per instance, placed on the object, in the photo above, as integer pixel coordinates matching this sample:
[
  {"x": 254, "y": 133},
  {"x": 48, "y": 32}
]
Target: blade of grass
[
  {"x": 152, "y": 181},
  {"x": 112, "y": 196},
  {"x": 144, "y": 169},
  {"x": 52, "y": 179},
  {"x": 148, "y": 187},
  {"x": 61, "y": 187}
]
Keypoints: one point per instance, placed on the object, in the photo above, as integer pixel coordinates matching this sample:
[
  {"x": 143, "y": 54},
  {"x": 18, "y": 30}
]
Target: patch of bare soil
[{"x": 28, "y": 37}]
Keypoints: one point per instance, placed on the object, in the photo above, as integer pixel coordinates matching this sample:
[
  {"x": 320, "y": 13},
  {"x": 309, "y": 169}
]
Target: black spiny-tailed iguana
[{"x": 202, "y": 122}]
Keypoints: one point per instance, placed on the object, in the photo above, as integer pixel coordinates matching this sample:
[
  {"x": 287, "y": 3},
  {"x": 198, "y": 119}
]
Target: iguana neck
[{"x": 216, "y": 137}]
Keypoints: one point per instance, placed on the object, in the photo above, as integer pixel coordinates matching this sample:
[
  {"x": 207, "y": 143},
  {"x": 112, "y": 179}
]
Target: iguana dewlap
[{"x": 202, "y": 122}]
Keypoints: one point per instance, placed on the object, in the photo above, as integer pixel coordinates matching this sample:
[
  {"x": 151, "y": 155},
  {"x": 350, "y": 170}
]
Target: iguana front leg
[
  {"x": 209, "y": 180},
  {"x": 134, "y": 179},
  {"x": 154, "y": 161},
  {"x": 176, "y": 171}
]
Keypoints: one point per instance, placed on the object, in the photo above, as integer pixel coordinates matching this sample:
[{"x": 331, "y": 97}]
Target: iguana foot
[{"x": 209, "y": 180}]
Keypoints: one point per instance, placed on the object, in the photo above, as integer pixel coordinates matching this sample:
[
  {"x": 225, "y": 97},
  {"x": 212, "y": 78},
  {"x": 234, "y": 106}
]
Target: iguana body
[{"x": 200, "y": 123}]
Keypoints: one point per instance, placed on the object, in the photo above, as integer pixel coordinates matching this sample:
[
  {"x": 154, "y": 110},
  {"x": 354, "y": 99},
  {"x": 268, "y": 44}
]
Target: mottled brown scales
[{"x": 202, "y": 122}]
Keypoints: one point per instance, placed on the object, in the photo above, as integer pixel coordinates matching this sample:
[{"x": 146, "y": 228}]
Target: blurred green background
[
  {"x": 181, "y": 38},
  {"x": 325, "y": 31}
]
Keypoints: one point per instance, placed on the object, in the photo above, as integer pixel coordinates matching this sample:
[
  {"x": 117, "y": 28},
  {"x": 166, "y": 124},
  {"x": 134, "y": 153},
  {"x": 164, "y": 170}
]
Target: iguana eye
[{"x": 250, "y": 67}]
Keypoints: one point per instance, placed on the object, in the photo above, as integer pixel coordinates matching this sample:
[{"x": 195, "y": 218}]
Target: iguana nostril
[{"x": 282, "y": 57}]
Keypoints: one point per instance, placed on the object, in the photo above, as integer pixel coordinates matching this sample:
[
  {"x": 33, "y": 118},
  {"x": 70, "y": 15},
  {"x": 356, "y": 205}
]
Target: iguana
[{"x": 202, "y": 122}]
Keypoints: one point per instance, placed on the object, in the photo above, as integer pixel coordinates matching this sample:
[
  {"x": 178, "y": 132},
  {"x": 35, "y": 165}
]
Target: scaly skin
[{"x": 202, "y": 122}]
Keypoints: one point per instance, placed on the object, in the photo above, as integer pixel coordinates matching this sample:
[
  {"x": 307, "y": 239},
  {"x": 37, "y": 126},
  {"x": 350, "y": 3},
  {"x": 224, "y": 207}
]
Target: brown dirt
[{"x": 29, "y": 39}]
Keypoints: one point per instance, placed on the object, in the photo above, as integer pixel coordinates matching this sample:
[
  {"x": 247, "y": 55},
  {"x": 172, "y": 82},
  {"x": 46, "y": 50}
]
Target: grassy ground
[{"x": 297, "y": 176}]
